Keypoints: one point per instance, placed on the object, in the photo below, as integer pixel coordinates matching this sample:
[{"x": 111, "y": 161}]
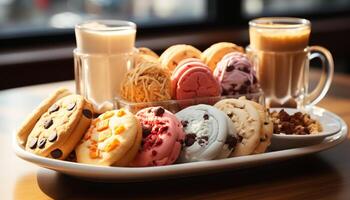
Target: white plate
[
  {"x": 125, "y": 174},
  {"x": 330, "y": 125}
]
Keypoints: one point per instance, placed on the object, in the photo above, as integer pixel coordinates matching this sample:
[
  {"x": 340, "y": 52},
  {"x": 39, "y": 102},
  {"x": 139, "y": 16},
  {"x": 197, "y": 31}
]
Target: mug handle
[{"x": 326, "y": 77}]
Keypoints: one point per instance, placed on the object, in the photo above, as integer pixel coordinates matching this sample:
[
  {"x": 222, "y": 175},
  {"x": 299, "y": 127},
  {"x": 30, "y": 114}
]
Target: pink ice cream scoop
[
  {"x": 236, "y": 75},
  {"x": 192, "y": 78},
  {"x": 162, "y": 138}
]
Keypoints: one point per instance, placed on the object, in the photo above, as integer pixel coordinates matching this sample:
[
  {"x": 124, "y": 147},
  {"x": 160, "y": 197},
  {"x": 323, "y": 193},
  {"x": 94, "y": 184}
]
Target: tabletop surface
[{"x": 325, "y": 175}]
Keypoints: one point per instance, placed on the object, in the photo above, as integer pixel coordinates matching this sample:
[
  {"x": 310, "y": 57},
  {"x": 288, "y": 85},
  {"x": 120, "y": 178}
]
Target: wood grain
[{"x": 325, "y": 175}]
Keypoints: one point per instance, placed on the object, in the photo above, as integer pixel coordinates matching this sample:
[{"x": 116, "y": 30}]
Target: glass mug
[
  {"x": 104, "y": 54},
  {"x": 98, "y": 77},
  {"x": 280, "y": 53}
]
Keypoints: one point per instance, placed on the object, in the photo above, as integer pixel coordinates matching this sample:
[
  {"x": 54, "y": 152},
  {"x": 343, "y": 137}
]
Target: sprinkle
[
  {"x": 107, "y": 115},
  {"x": 94, "y": 153},
  {"x": 102, "y": 136},
  {"x": 101, "y": 125},
  {"x": 112, "y": 145},
  {"x": 120, "y": 113},
  {"x": 93, "y": 142},
  {"x": 119, "y": 129}
]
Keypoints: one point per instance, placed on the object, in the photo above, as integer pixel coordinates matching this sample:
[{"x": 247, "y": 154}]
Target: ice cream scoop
[
  {"x": 236, "y": 75},
  {"x": 193, "y": 79},
  {"x": 210, "y": 134},
  {"x": 162, "y": 137}
]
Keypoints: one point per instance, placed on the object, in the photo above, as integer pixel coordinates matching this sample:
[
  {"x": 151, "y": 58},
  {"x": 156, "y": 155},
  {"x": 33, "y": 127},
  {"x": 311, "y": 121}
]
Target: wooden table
[{"x": 324, "y": 175}]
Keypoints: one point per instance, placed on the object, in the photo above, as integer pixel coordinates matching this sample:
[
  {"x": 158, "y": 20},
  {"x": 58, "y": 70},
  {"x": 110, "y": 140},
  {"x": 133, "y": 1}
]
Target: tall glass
[
  {"x": 103, "y": 56},
  {"x": 280, "y": 52}
]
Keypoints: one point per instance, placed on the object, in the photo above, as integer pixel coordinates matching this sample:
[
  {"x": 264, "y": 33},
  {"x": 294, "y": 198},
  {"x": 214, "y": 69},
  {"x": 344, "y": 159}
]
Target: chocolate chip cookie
[
  {"x": 60, "y": 128},
  {"x": 29, "y": 123}
]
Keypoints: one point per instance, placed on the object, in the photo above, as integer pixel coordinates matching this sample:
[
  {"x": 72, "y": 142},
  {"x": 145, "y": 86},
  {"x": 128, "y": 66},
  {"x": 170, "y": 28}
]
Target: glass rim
[
  {"x": 279, "y": 23},
  {"x": 79, "y": 53},
  {"x": 250, "y": 49},
  {"x": 111, "y": 25}
]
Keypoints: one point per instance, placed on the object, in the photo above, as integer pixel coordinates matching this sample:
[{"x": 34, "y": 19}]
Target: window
[
  {"x": 256, "y": 8},
  {"x": 26, "y": 17}
]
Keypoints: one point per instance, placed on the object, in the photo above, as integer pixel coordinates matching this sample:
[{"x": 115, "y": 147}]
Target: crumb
[{"x": 299, "y": 123}]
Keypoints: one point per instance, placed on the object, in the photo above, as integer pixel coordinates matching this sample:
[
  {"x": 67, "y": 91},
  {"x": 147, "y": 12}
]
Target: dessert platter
[{"x": 182, "y": 113}]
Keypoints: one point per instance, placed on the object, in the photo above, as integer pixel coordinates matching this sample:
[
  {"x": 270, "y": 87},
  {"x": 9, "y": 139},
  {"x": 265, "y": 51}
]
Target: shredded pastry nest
[{"x": 147, "y": 82}]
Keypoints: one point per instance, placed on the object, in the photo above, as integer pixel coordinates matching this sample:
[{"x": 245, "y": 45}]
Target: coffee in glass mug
[{"x": 279, "y": 50}]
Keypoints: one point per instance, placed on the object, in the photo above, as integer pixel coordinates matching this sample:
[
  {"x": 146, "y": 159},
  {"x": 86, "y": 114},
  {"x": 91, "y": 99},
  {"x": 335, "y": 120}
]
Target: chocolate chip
[
  {"x": 159, "y": 111},
  {"x": 163, "y": 129},
  {"x": 230, "y": 68},
  {"x": 54, "y": 108},
  {"x": 95, "y": 115},
  {"x": 266, "y": 123},
  {"x": 230, "y": 114},
  {"x": 240, "y": 138},
  {"x": 52, "y": 137},
  {"x": 154, "y": 153},
  {"x": 246, "y": 69},
  {"x": 307, "y": 131},
  {"x": 32, "y": 143},
  {"x": 201, "y": 142},
  {"x": 287, "y": 128},
  {"x": 205, "y": 138},
  {"x": 41, "y": 143},
  {"x": 184, "y": 123},
  {"x": 190, "y": 139},
  {"x": 71, "y": 106},
  {"x": 87, "y": 113},
  {"x": 181, "y": 141},
  {"x": 283, "y": 116},
  {"x": 231, "y": 142},
  {"x": 48, "y": 123},
  {"x": 146, "y": 131},
  {"x": 205, "y": 116},
  {"x": 276, "y": 129},
  {"x": 243, "y": 89},
  {"x": 57, "y": 153},
  {"x": 255, "y": 80},
  {"x": 72, "y": 157},
  {"x": 159, "y": 142}
]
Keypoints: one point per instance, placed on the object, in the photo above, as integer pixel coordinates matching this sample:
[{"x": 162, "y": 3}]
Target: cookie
[
  {"x": 60, "y": 128},
  {"x": 162, "y": 138},
  {"x": 145, "y": 55},
  {"x": 171, "y": 57},
  {"x": 246, "y": 121},
  {"x": 216, "y": 52},
  {"x": 210, "y": 134},
  {"x": 112, "y": 139},
  {"x": 193, "y": 79},
  {"x": 266, "y": 128},
  {"x": 27, "y": 126},
  {"x": 148, "y": 52}
]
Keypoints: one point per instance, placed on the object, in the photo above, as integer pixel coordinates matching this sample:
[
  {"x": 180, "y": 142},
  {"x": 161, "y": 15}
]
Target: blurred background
[{"x": 37, "y": 36}]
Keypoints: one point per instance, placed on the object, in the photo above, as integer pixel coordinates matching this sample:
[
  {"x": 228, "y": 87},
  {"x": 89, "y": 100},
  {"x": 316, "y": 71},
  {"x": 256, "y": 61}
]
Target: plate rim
[{"x": 149, "y": 173}]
